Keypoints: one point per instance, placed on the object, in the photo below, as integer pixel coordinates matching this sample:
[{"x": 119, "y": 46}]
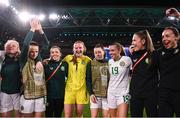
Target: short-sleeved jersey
[
  {"x": 119, "y": 75},
  {"x": 76, "y": 72}
]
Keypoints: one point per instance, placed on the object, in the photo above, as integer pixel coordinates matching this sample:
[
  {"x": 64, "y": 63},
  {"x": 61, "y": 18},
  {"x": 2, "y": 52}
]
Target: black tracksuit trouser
[
  {"x": 54, "y": 107},
  {"x": 169, "y": 103},
  {"x": 148, "y": 101}
]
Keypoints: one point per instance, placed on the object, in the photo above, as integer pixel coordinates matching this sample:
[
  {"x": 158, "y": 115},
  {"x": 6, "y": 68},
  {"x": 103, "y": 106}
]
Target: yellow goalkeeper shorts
[{"x": 76, "y": 97}]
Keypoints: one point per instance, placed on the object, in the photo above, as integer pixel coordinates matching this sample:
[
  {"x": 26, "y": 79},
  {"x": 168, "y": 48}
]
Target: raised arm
[
  {"x": 46, "y": 43},
  {"x": 27, "y": 40}
]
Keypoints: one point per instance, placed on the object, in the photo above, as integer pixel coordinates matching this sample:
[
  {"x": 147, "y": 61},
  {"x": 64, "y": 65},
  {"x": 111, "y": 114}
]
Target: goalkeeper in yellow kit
[{"x": 76, "y": 90}]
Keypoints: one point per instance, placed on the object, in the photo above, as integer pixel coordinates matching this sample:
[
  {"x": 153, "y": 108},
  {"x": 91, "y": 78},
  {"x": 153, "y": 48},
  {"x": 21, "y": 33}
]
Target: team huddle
[{"x": 144, "y": 78}]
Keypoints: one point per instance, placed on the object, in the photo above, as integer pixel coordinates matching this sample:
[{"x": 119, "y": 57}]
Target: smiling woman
[
  {"x": 169, "y": 56},
  {"x": 75, "y": 91},
  {"x": 55, "y": 74},
  {"x": 11, "y": 83},
  {"x": 118, "y": 87},
  {"x": 144, "y": 81},
  {"x": 32, "y": 101}
]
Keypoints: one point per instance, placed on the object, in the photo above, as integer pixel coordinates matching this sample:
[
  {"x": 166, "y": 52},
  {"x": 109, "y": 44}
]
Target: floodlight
[
  {"x": 53, "y": 16},
  {"x": 5, "y": 2},
  {"x": 41, "y": 17},
  {"x": 24, "y": 16},
  {"x": 15, "y": 10}
]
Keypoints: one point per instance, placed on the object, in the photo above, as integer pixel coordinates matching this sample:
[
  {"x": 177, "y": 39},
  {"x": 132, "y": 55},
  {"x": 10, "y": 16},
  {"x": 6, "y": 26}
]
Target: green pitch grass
[{"x": 87, "y": 112}]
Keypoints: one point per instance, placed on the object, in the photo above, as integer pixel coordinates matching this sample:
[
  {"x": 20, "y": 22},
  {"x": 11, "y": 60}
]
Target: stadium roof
[{"x": 100, "y": 2}]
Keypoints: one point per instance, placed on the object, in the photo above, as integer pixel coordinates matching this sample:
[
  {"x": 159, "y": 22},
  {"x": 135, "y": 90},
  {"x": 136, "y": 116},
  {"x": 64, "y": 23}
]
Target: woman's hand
[
  {"x": 39, "y": 67},
  {"x": 93, "y": 98}
]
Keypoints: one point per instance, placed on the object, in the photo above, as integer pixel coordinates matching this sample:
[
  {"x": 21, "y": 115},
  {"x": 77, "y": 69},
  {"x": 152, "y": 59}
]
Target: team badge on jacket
[
  {"x": 134, "y": 60},
  {"x": 62, "y": 68},
  {"x": 163, "y": 53},
  {"x": 51, "y": 68},
  {"x": 176, "y": 51},
  {"x": 147, "y": 60}
]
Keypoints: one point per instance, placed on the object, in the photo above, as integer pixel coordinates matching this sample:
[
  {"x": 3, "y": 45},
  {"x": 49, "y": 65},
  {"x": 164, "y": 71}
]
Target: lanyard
[
  {"x": 138, "y": 61},
  {"x": 53, "y": 72}
]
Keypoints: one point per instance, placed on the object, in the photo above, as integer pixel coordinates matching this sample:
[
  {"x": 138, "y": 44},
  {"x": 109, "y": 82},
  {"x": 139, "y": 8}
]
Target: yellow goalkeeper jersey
[{"x": 76, "y": 72}]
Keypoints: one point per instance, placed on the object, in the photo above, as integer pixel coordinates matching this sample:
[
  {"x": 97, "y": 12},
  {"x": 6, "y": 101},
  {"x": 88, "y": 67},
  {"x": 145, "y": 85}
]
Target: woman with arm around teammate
[
  {"x": 11, "y": 80},
  {"x": 118, "y": 89},
  {"x": 76, "y": 95},
  {"x": 144, "y": 81},
  {"x": 55, "y": 74}
]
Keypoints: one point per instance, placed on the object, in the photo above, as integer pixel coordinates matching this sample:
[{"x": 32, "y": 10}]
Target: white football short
[
  {"x": 9, "y": 102},
  {"x": 114, "y": 100},
  {"x": 32, "y": 105},
  {"x": 101, "y": 103}
]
